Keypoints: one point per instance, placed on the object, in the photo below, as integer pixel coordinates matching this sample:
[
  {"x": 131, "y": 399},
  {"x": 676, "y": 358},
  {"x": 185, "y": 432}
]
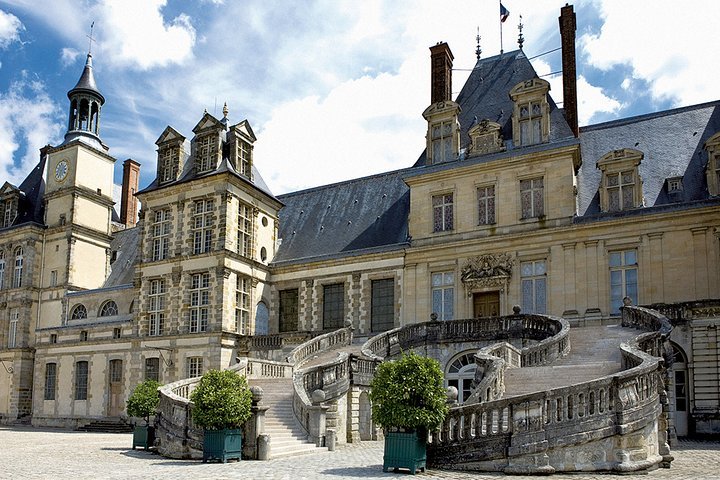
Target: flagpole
[{"x": 501, "y": 40}]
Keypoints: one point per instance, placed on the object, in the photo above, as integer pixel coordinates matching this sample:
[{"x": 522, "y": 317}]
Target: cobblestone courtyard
[{"x": 33, "y": 453}]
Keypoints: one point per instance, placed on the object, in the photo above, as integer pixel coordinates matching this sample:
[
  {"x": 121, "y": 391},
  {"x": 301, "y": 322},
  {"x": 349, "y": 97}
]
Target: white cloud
[
  {"x": 10, "y": 28},
  {"x": 592, "y": 100},
  {"x": 668, "y": 44},
  {"x": 136, "y": 35},
  {"x": 28, "y": 120},
  {"x": 68, "y": 56}
]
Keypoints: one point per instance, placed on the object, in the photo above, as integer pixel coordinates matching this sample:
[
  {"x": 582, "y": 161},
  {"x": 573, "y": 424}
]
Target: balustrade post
[
  {"x": 318, "y": 413},
  {"x": 255, "y": 426}
]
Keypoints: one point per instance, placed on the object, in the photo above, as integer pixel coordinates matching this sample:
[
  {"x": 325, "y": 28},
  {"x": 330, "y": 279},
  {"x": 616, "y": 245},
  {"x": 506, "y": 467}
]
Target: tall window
[
  {"x": 194, "y": 367},
  {"x": 244, "y": 153},
  {"x": 289, "y": 310},
  {"x": 12, "y": 331},
  {"x": 53, "y": 278},
  {"x": 242, "y": 305},
  {"x": 461, "y": 375},
  {"x": 531, "y": 197},
  {"x": 18, "y": 273},
  {"x": 2, "y": 269},
  {"x": 534, "y": 286},
  {"x": 81, "y": 380},
  {"x": 109, "y": 309},
  {"x": 530, "y": 123},
  {"x": 78, "y": 312},
  {"x": 156, "y": 308},
  {"x": 382, "y": 311},
  {"x": 620, "y": 190},
  {"x": 442, "y": 212},
  {"x": 442, "y": 148},
  {"x": 161, "y": 235},
  {"x": 199, "y": 302},
  {"x": 245, "y": 230},
  {"x": 202, "y": 226},
  {"x": 486, "y": 205},
  {"x": 50, "y": 381},
  {"x": 207, "y": 149},
  {"x": 152, "y": 369},
  {"x": 169, "y": 159},
  {"x": 623, "y": 278},
  {"x": 333, "y": 305},
  {"x": 8, "y": 212},
  {"x": 443, "y": 295}
]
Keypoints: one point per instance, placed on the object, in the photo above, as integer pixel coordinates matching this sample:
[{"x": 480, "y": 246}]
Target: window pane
[
  {"x": 448, "y": 304},
  {"x": 615, "y": 259}
]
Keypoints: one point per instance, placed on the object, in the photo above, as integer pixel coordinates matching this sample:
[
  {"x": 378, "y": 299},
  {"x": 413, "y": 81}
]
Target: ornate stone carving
[{"x": 489, "y": 270}]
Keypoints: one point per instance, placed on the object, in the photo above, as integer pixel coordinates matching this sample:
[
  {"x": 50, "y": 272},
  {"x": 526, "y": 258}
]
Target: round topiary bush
[
  {"x": 144, "y": 400},
  {"x": 222, "y": 400},
  {"x": 409, "y": 393}
]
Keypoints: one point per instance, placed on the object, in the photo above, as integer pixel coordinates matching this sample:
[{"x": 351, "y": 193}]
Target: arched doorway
[
  {"x": 262, "y": 318},
  {"x": 365, "y": 427},
  {"x": 460, "y": 374},
  {"x": 680, "y": 390}
]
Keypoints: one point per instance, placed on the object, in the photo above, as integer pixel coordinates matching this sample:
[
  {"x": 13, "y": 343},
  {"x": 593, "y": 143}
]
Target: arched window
[
  {"x": 109, "y": 309},
  {"x": 680, "y": 390},
  {"x": 461, "y": 373},
  {"x": 2, "y": 269},
  {"x": 17, "y": 274},
  {"x": 262, "y": 319},
  {"x": 78, "y": 312}
]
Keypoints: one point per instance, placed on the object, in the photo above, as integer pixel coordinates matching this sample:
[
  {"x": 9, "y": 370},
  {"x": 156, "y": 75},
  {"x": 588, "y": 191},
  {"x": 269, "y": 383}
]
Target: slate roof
[
  {"x": 125, "y": 243},
  {"x": 86, "y": 82},
  {"x": 31, "y": 208},
  {"x": 672, "y": 144}
]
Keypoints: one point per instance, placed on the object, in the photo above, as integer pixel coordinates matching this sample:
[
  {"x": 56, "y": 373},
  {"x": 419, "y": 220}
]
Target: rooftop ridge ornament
[
  {"x": 478, "y": 50},
  {"x": 92, "y": 39},
  {"x": 225, "y": 110},
  {"x": 521, "y": 39}
]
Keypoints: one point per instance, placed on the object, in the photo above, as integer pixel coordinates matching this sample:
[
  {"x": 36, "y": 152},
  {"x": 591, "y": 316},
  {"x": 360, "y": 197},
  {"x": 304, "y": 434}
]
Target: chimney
[
  {"x": 441, "y": 59},
  {"x": 128, "y": 202},
  {"x": 567, "y": 40}
]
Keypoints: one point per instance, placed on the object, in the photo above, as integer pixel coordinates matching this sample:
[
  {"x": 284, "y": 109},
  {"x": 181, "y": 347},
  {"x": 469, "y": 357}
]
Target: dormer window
[
  {"x": 168, "y": 160},
  {"x": 531, "y": 112},
  {"x": 241, "y": 138},
  {"x": 8, "y": 208},
  {"x": 485, "y": 138},
  {"x": 206, "y": 151},
  {"x": 442, "y": 150},
  {"x": 170, "y": 155},
  {"x": 244, "y": 154},
  {"x": 713, "y": 166},
  {"x": 621, "y": 187},
  {"x": 675, "y": 188}
]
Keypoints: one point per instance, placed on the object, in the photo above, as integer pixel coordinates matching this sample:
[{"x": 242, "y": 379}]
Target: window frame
[
  {"x": 156, "y": 307},
  {"x": 535, "y": 194},
  {"x": 382, "y": 304},
  {"x": 245, "y": 230},
  {"x": 152, "y": 366},
  {"x": 333, "y": 306},
  {"x": 194, "y": 367},
  {"x": 82, "y": 376},
  {"x": 440, "y": 290},
  {"x": 624, "y": 269},
  {"x": 443, "y": 215},
  {"x": 486, "y": 204},
  {"x": 13, "y": 323},
  {"x": 78, "y": 312},
  {"x": 160, "y": 234},
  {"x": 288, "y": 310},
  {"x": 109, "y": 309},
  {"x": 203, "y": 225},
  {"x": 19, "y": 265},
  {"x": 50, "y": 389},
  {"x": 243, "y": 298},
  {"x": 199, "y": 302},
  {"x": 534, "y": 280}
]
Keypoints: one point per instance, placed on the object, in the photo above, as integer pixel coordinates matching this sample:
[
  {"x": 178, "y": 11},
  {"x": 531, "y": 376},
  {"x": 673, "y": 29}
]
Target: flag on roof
[{"x": 504, "y": 13}]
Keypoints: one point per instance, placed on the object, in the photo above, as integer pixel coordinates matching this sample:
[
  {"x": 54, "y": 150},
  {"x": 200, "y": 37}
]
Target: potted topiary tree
[
  {"x": 408, "y": 401},
  {"x": 222, "y": 404},
  {"x": 142, "y": 403}
]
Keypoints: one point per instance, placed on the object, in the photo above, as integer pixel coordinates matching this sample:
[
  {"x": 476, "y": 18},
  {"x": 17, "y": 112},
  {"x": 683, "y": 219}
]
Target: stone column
[{"x": 254, "y": 427}]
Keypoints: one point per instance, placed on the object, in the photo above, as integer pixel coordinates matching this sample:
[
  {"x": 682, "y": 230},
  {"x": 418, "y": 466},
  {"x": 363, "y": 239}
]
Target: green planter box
[
  {"x": 143, "y": 436},
  {"x": 222, "y": 445},
  {"x": 404, "y": 450}
]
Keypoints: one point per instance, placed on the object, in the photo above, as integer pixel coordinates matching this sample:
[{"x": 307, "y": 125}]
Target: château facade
[{"x": 511, "y": 203}]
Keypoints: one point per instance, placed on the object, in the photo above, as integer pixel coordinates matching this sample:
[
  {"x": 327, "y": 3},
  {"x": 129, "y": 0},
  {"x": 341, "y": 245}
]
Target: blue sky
[{"x": 334, "y": 89}]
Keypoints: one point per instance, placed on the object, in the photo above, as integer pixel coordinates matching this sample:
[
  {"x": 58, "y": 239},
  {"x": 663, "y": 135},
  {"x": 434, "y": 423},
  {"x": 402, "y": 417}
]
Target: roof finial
[
  {"x": 225, "y": 110},
  {"x": 478, "y": 50},
  {"x": 92, "y": 39},
  {"x": 521, "y": 39}
]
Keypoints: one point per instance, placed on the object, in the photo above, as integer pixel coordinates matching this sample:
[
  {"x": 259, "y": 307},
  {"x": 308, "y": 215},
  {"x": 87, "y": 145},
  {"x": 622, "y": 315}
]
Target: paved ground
[{"x": 29, "y": 453}]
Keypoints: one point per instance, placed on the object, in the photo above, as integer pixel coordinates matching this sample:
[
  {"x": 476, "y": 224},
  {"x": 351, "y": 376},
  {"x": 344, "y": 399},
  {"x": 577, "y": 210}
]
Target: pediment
[
  {"x": 621, "y": 156},
  {"x": 9, "y": 189},
  {"x": 447, "y": 107},
  {"x": 169, "y": 135},
  {"x": 243, "y": 128},
  {"x": 484, "y": 126},
  {"x": 208, "y": 122},
  {"x": 713, "y": 141},
  {"x": 534, "y": 86}
]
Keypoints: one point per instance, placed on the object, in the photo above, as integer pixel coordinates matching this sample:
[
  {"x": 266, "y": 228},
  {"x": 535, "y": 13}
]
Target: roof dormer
[
  {"x": 170, "y": 155},
  {"x": 9, "y": 202},
  {"x": 712, "y": 170},
  {"x": 485, "y": 137},
  {"x": 241, "y": 139},
  {"x": 207, "y": 144},
  {"x": 621, "y": 187},
  {"x": 531, "y": 112}
]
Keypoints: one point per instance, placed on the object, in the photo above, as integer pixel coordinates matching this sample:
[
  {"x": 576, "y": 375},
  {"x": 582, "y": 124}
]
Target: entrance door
[
  {"x": 486, "y": 304},
  {"x": 115, "y": 405},
  {"x": 680, "y": 377}
]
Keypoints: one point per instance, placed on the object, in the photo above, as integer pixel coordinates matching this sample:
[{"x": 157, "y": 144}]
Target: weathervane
[
  {"x": 521, "y": 39},
  {"x": 92, "y": 39},
  {"x": 478, "y": 50}
]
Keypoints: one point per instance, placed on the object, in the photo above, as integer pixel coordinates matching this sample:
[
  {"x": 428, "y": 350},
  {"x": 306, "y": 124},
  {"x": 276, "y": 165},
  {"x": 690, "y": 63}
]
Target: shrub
[
  {"x": 409, "y": 393},
  {"x": 222, "y": 400},
  {"x": 144, "y": 400}
]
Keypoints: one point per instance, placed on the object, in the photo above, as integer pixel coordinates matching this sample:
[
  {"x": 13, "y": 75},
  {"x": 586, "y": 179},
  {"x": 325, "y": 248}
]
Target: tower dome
[{"x": 86, "y": 102}]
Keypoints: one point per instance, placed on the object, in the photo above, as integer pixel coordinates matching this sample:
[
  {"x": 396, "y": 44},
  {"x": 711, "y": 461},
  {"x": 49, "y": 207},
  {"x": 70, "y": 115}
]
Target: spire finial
[
  {"x": 225, "y": 110},
  {"x": 521, "y": 39},
  {"x": 478, "y": 50},
  {"x": 92, "y": 39}
]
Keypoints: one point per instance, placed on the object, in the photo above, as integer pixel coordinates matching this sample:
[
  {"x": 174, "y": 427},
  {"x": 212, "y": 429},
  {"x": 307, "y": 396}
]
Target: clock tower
[{"x": 78, "y": 195}]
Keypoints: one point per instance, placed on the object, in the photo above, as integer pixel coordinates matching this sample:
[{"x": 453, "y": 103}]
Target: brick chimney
[
  {"x": 567, "y": 40},
  {"x": 441, "y": 59},
  {"x": 128, "y": 202}
]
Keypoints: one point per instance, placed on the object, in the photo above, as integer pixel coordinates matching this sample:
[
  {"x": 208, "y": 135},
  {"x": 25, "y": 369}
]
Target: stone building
[{"x": 511, "y": 203}]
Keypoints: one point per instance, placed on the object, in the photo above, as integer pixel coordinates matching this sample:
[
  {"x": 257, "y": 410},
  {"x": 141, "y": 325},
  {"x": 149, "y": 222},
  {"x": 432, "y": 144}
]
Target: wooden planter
[
  {"x": 222, "y": 445},
  {"x": 143, "y": 436},
  {"x": 404, "y": 450}
]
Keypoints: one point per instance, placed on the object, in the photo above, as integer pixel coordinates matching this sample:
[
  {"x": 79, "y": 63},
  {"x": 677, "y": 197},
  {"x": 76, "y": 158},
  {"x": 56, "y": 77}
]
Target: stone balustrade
[
  {"x": 321, "y": 343},
  {"x": 258, "y": 368}
]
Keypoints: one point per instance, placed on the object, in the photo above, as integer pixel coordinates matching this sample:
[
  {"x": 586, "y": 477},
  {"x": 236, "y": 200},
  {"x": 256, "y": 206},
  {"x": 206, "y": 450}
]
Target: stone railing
[
  {"x": 491, "y": 363},
  {"x": 321, "y": 343},
  {"x": 614, "y": 423},
  {"x": 271, "y": 347},
  {"x": 258, "y": 368}
]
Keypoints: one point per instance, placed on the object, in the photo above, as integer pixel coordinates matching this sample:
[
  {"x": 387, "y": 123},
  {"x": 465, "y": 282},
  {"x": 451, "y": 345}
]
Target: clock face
[{"x": 61, "y": 170}]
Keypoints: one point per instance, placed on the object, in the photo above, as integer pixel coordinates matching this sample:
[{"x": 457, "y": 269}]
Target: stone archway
[
  {"x": 460, "y": 373},
  {"x": 365, "y": 425},
  {"x": 680, "y": 391}
]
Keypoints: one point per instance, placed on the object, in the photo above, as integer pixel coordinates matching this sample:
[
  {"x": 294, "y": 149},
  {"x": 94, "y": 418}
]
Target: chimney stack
[
  {"x": 567, "y": 40},
  {"x": 441, "y": 59},
  {"x": 128, "y": 202}
]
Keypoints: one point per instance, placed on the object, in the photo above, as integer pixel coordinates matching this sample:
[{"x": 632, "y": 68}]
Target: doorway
[
  {"x": 486, "y": 304},
  {"x": 680, "y": 383},
  {"x": 115, "y": 403}
]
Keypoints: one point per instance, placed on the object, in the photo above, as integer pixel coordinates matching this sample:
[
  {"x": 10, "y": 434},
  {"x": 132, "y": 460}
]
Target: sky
[{"x": 334, "y": 89}]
